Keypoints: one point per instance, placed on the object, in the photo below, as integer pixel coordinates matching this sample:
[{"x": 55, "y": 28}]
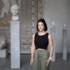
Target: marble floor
[{"x": 59, "y": 64}]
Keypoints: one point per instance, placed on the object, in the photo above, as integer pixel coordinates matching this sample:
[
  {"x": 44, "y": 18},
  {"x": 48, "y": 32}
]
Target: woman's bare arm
[
  {"x": 50, "y": 46},
  {"x": 32, "y": 47}
]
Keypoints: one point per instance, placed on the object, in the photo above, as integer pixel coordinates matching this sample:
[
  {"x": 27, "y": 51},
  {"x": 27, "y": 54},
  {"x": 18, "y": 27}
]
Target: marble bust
[{"x": 14, "y": 12}]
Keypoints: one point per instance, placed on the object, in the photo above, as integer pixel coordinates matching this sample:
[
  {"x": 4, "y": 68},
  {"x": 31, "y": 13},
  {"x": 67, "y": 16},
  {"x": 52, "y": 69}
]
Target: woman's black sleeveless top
[{"x": 41, "y": 42}]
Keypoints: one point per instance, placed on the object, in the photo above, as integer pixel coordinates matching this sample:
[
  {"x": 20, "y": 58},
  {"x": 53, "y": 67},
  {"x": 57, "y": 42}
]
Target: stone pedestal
[
  {"x": 64, "y": 44},
  {"x": 15, "y": 44}
]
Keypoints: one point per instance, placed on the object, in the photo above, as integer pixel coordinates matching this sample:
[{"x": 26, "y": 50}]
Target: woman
[{"x": 41, "y": 50}]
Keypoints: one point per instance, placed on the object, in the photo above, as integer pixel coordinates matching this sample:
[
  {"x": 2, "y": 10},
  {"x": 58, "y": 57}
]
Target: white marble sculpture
[
  {"x": 14, "y": 11},
  {"x": 4, "y": 7}
]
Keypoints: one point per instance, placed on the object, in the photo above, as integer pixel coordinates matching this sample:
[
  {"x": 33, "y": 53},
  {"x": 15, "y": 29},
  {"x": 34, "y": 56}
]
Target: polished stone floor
[{"x": 59, "y": 64}]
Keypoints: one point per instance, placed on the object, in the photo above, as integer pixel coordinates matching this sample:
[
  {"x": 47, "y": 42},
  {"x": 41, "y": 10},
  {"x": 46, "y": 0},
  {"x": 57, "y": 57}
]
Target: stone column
[
  {"x": 15, "y": 38},
  {"x": 64, "y": 31}
]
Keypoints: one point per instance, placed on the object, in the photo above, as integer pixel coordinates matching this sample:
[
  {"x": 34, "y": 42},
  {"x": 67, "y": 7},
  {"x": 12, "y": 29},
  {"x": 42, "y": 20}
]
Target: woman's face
[{"x": 40, "y": 26}]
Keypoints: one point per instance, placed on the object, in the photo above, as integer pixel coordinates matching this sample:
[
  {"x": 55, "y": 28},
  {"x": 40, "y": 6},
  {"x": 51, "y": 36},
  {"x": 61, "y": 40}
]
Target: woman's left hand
[{"x": 49, "y": 59}]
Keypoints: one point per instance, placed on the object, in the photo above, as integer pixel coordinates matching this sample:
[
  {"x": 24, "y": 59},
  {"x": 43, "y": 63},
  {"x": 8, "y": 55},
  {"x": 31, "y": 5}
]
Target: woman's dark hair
[{"x": 44, "y": 23}]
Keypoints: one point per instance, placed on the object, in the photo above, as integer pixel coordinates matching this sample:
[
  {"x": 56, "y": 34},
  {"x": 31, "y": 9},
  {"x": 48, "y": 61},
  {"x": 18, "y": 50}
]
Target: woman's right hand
[{"x": 31, "y": 61}]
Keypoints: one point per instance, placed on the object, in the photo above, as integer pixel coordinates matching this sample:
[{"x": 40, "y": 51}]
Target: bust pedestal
[{"x": 15, "y": 43}]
